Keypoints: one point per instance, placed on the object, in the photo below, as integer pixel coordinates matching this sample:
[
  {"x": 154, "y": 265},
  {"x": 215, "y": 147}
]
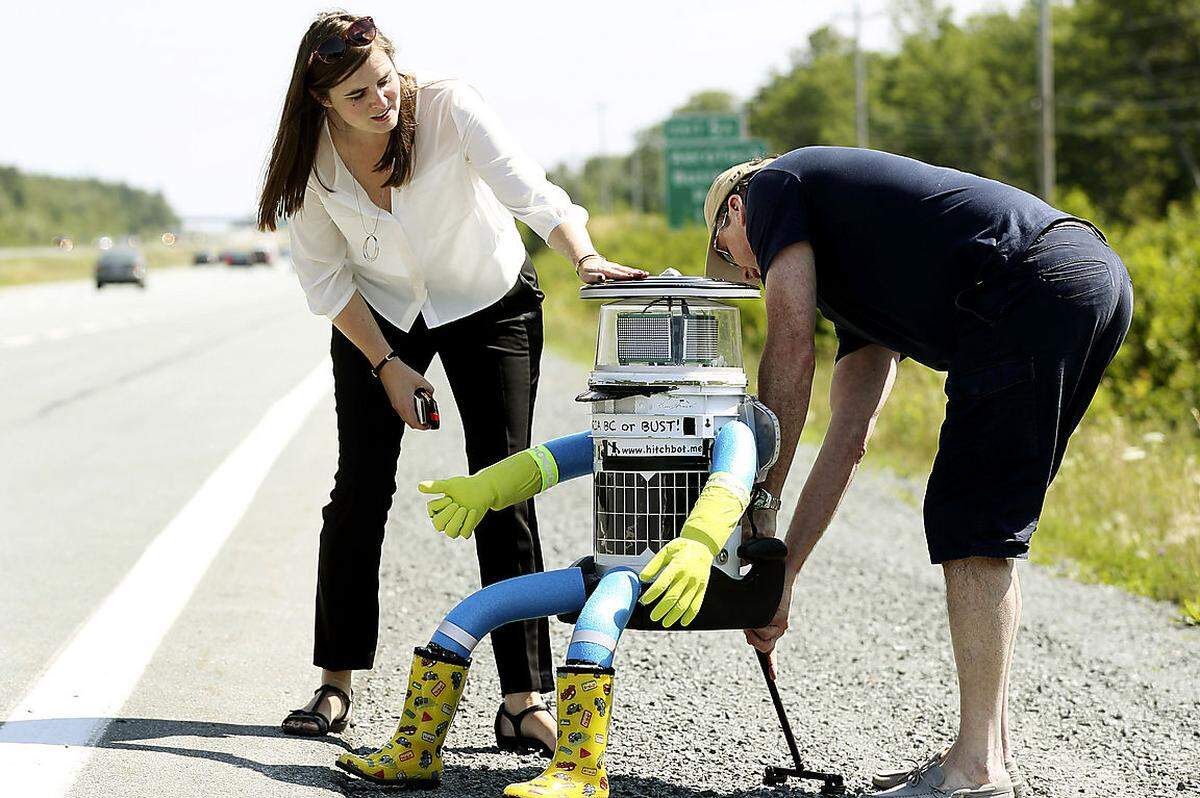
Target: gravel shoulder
[{"x": 1105, "y": 694}]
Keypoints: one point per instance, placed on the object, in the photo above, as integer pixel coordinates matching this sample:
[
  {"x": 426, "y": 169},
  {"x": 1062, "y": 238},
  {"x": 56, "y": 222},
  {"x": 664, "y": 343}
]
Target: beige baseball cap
[{"x": 714, "y": 265}]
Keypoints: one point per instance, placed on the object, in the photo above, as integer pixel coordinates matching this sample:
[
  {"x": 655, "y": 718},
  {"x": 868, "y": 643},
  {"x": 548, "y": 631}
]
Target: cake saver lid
[{"x": 669, "y": 284}]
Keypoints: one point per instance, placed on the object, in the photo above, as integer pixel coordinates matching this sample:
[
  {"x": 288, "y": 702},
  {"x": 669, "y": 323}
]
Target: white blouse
[{"x": 449, "y": 247}]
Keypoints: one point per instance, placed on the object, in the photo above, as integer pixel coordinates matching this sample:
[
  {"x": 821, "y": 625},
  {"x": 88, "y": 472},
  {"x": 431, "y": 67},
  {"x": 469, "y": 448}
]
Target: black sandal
[
  {"x": 519, "y": 742},
  {"x": 324, "y": 725}
]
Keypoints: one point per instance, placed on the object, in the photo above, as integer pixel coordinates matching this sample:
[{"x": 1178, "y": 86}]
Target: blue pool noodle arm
[
  {"x": 735, "y": 452},
  {"x": 572, "y": 454}
]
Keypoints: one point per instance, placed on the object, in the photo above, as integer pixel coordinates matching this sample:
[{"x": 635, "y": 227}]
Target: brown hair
[{"x": 295, "y": 147}]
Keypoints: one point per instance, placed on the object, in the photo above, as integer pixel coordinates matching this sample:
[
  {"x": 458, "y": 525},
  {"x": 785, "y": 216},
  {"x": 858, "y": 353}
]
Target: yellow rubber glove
[
  {"x": 680, "y": 569},
  {"x": 467, "y": 499}
]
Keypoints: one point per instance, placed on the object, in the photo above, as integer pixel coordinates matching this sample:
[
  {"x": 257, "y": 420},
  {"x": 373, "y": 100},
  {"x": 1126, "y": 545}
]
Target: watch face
[{"x": 762, "y": 500}]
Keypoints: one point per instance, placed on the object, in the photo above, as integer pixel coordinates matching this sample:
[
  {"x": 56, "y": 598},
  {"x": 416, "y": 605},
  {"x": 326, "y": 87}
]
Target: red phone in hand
[{"x": 427, "y": 409}]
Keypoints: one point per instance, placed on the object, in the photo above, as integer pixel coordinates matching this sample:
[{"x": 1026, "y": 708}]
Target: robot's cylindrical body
[{"x": 668, "y": 375}]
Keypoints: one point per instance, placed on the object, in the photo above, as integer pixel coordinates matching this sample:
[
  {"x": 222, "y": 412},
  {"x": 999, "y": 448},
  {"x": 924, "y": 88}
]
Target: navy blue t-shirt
[{"x": 895, "y": 240}]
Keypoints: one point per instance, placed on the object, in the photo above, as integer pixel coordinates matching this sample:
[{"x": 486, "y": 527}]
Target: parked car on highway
[
  {"x": 262, "y": 255},
  {"x": 237, "y": 257},
  {"x": 203, "y": 256},
  {"x": 121, "y": 266}
]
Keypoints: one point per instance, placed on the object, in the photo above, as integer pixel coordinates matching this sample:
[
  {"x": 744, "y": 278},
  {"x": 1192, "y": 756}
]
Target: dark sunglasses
[
  {"x": 360, "y": 33},
  {"x": 725, "y": 256}
]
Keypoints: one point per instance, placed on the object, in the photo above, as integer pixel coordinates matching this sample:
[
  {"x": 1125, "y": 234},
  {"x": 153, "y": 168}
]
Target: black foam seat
[{"x": 749, "y": 602}]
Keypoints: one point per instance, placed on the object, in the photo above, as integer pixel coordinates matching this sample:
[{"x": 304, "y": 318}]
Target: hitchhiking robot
[{"x": 675, "y": 448}]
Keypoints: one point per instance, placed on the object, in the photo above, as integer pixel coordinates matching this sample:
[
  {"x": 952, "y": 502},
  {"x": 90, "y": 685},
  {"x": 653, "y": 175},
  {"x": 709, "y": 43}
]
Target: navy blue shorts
[{"x": 1034, "y": 339}]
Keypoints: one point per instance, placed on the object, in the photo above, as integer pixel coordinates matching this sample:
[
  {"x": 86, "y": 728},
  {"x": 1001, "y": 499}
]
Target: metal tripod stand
[{"x": 831, "y": 783}]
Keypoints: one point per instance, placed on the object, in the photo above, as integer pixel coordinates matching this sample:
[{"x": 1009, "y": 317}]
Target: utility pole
[
  {"x": 602, "y": 163},
  {"x": 1046, "y": 94},
  {"x": 860, "y": 82},
  {"x": 635, "y": 168}
]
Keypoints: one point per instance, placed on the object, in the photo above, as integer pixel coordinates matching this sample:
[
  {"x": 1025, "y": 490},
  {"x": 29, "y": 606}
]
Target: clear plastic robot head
[{"x": 669, "y": 331}]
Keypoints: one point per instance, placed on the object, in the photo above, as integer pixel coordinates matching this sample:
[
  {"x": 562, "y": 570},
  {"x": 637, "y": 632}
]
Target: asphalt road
[{"x": 159, "y": 508}]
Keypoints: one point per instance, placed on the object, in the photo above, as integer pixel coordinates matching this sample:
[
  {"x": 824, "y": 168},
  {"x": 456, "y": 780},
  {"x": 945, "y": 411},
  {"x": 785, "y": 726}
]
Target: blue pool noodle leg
[
  {"x": 517, "y": 599},
  {"x": 603, "y": 618}
]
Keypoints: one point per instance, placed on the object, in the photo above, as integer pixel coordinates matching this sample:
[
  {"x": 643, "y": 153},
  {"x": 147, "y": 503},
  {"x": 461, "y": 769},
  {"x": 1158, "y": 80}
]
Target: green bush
[{"x": 1157, "y": 374}]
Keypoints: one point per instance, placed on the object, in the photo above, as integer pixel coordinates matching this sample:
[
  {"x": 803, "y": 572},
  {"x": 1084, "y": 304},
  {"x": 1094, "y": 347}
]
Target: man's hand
[{"x": 764, "y": 639}]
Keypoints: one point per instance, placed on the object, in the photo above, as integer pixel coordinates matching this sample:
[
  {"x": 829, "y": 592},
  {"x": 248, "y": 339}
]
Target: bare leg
[
  {"x": 541, "y": 725},
  {"x": 982, "y": 600},
  {"x": 1008, "y": 751},
  {"x": 330, "y": 706}
]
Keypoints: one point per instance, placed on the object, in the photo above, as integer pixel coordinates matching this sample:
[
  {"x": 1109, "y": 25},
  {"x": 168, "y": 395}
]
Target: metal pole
[
  {"x": 764, "y": 663},
  {"x": 603, "y": 163},
  {"x": 636, "y": 178},
  {"x": 1046, "y": 94},
  {"x": 860, "y": 82}
]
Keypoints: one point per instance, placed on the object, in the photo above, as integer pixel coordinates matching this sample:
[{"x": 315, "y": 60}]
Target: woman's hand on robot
[
  {"x": 597, "y": 270},
  {"x": 459, "y": 511},
  {"x": 680, "y": 573}
]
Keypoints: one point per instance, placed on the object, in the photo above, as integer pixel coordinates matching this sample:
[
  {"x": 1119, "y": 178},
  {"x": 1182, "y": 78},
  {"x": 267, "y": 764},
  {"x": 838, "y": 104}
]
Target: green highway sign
[
  {"x": 691, "y": 167},
  {"x": 726, "y": 127}
]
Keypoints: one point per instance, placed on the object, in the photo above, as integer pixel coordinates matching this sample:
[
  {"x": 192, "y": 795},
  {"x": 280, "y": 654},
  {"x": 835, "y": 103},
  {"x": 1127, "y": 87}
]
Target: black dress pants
[{"x": 491, "y": 359}]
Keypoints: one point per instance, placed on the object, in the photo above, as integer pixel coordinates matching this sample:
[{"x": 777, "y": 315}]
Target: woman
[{"x": 400, "y": 195}]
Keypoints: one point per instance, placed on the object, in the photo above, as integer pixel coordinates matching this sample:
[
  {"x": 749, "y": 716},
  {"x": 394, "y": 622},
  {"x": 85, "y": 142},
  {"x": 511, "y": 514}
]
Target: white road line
[{"x": 46, "y": 739}]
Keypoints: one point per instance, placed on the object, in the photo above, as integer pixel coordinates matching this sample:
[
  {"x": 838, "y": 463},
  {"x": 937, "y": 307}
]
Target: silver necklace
[{"x": 370, "y": 248}]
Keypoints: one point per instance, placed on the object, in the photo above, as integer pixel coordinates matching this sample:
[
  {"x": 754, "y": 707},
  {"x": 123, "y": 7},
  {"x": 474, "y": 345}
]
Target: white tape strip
[
  {"x": 459, "y": 635},
  {"x": 593, "y": 636}
]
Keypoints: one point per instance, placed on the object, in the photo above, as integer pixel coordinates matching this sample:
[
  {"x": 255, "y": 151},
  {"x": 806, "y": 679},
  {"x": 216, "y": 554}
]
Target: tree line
[
  {"x": 1127, "y": 103},
  {"x": 34, "y": 209}
]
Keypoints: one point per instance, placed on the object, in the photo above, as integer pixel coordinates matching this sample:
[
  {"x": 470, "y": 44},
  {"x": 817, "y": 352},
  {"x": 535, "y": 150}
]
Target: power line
[
  {"x": 1145, "y": 23},
  {"x": 1124, "y": 131},
  {"x": 1164, "y": 103}
]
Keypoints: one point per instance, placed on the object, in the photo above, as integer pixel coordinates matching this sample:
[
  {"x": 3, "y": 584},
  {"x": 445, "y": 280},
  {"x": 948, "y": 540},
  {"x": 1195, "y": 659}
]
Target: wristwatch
[{"x": 761, "y": 499}]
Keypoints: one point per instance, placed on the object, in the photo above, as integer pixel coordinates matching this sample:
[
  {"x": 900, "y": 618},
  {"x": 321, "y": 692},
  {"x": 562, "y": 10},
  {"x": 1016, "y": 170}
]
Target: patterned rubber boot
[
  {"x": 584, "y": 708},
  {"x": 413, "y": 757}
]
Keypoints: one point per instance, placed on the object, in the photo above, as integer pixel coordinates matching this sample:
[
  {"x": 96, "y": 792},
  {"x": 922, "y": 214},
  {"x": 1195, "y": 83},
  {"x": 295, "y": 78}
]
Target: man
[{"x": 1024, "y": 307}]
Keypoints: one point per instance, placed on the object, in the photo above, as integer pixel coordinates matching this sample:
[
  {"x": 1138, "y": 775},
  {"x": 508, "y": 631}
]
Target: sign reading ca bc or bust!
[{"x": 628, "y": 425}]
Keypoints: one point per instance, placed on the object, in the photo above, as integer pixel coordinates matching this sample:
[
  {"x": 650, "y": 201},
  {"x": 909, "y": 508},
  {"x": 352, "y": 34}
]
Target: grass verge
[{"x": 78, "y": 264}]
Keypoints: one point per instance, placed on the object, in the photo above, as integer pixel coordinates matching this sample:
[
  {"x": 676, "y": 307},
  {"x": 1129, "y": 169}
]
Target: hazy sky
[{"x": 184, "y": 97}]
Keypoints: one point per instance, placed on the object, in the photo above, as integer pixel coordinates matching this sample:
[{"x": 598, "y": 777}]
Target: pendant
[{"x": 370, "y": 248}]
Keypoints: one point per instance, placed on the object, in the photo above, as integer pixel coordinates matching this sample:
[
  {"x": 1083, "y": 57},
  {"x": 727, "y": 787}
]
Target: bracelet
[
  {"x": 378, "y": 366},
  {"x": 579, "y": 262}
]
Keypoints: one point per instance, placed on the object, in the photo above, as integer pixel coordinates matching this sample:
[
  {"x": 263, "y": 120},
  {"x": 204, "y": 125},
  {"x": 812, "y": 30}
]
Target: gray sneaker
[
  {"x": 928, "y": 784},
  {"x": 887, "y": 779}
]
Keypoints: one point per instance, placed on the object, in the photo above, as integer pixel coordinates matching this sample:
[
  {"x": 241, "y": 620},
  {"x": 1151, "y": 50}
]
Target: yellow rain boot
[
  {"x": 413, "y": 756},
  {"x": 584, "y": 708}
]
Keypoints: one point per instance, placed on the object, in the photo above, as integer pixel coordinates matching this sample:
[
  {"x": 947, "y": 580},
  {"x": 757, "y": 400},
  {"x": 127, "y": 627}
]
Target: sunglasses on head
[{"x": 360, "y": 33}]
